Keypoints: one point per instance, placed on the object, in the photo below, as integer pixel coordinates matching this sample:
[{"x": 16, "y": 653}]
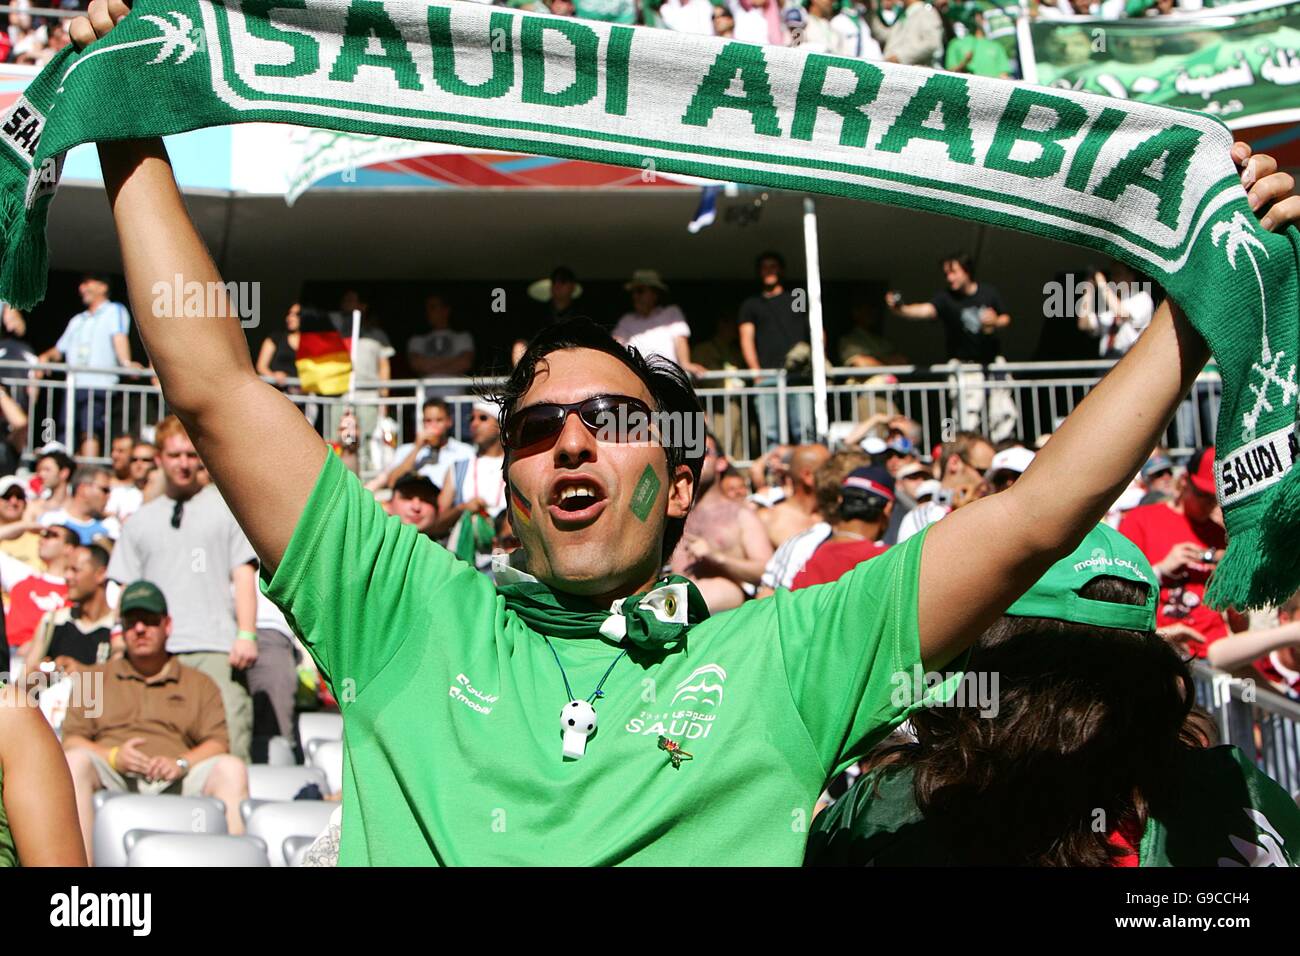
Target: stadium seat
[
  {"x": 328, "y": 756},
  {"x": 195, "y": 849},
  {"x": 282, "y": 783},
  {"x": 100, "y": 796},
  {"x": 319, "y": 725},
  {"x": 296, "y": 847},
  {"x": 116, "y": 817},
  {"x": 276, "y": 822},
  {"x": 279, "y": 752}
]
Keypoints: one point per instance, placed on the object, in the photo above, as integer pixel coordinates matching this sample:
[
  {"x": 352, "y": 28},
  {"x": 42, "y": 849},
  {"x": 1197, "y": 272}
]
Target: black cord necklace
[{"x": 578, "y": 717}]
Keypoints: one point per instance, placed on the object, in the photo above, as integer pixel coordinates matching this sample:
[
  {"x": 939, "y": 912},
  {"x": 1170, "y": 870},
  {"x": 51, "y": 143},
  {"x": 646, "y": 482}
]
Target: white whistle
[{"x": 578, "y": 721}]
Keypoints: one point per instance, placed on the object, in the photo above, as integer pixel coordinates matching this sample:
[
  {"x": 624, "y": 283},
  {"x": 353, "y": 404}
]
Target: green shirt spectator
[{"x": 978, "y": 55}]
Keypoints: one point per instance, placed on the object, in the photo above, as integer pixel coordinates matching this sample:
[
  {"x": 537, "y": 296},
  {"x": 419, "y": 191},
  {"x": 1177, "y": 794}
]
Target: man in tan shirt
[{"x": 161, "y": 726}]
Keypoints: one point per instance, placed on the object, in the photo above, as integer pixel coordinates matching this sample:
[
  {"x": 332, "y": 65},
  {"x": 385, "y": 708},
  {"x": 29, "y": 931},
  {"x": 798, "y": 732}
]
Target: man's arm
[
  {"x": 1068, "y": 488},
  {"x": 915, "y": 311},
  {"x": 748, "y": 348},
  {"x": 243, "y": 579},
  {"x": 122, "y": 349}
]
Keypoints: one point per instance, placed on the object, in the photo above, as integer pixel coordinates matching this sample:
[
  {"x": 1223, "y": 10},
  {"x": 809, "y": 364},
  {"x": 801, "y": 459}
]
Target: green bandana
[
  {"x": 655, "y": 620},
  {"x": 1151, "y": 186}
]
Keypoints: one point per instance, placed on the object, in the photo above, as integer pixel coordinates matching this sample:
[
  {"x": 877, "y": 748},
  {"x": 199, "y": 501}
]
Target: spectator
[
  {"x": 442, "y": 351},
  {"x": 975, "y": 53},
  {"x": 54, "y": 471},
  {"x": 1158, "y": 479},
  {"x": 858, "y": 519},
  {"x": 38, "y": 812},
  {"x": 476, "y": 490},
  {"x": 724, "y": 23},
  {"x": 273, "y": 679},
  {"x": 559, "y": 295},
  {"x": 1274, "y": 651},
  {"x": 773, "y": 330},
  {"x": 13, "y": 433},
  {"x": 19, "y": 538},
  {"x": 14, "y": 348},
  {"x": 962, "y": 464},
  {"x": 687, "y": 16},
  {"x": 908, "y": 483},
  {"x": 79, "y": 634},
  {"x": 852, "y": 25},
  {"x": 733, "y": 485},
  {"x": 653, "y": 328},
  {"x": 1184, "y": 539},
  {"x": 818, "y": 34},
  {"x": 758, "y": 21},
  {"x": 1118, "y": 311},
  {"x": 32, "y": 594},
  {"x": 187, "y": 542},
  {"x": 916, "y": 37},
  {"x": 277, "y": 358},
  {"x": 84, "y": 510},
  {"x": 865, "y": 344},
  {"x": 95, "y": 338},
  {"x": 415, "y": 502},
  {"x": 799, "y": 510},
  {"x": 434, "y": 453},
  {"x": 160, "y": 727},
  {"x": 724, "y": 547},
  {"x": 1007, "y": 466},
  {"x": 126, "y": 499}
]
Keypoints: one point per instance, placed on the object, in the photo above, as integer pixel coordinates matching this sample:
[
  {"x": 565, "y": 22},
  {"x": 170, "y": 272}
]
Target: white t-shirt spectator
[
  {"x": 440, "y": 343},
  {"x": 1117, "y": 340},
  {"x": 751, "y": 22},
  {"x": 688, "y": 16},
  {"x": 654, "y": 334},
  {"x": 123, "y": 501},
  {"x": 920, "y": 518},
  {"x": 435, "y": 464},
  {"x": 483, "y": 479},
  {"x": 789, "y": 559},
  {"x": 88, "y": 341},
  {"x": 372, "y": 346}
]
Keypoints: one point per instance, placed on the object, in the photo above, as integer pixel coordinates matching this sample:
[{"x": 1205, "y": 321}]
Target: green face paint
[{"x": 645, "y": 494}]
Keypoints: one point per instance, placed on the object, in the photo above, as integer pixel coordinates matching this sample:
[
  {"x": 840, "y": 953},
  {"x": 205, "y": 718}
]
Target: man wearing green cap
[
  {"x": 1091, "y": 757},
  {"x": 158, "y": 727}
]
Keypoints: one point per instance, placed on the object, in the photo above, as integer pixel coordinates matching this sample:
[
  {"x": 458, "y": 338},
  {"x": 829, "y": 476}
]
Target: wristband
[
  {"x": 112, "y": 757},
  {"x": 246, "y": 636}
]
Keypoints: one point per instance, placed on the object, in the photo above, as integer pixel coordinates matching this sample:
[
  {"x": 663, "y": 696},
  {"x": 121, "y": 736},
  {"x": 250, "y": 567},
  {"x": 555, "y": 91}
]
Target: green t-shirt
[
  {"x": 8, "y": 852},
  {"x": 987, "y": 56},
  {"x": 451, "y": 706},
  {"x": 1229, "y": 814}
]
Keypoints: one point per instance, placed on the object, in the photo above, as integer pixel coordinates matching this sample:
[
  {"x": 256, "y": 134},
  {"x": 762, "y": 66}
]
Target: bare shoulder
[{"x": 18, "y": 714}]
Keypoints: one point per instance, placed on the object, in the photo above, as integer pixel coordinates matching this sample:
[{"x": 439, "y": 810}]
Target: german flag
[{"x": 323, "y": 358}]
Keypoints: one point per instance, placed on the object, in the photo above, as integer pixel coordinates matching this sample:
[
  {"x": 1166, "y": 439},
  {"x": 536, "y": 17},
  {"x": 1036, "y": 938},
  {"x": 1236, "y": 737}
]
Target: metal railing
[
  {"x": 748, "y": 411},
  {"x": 1261, "y": 723}
]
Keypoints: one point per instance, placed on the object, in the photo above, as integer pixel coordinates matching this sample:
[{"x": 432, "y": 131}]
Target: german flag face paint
[{"x": 523, "y": 507}]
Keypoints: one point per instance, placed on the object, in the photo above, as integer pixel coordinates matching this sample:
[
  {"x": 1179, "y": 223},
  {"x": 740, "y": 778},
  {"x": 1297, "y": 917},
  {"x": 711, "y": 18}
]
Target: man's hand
[
  {"x": 243, "y": 653},
  {"x": 131, "y": 759},
  {"x": 1181, "y": 557},
  {"x": 1265, "y": 185},
  {"x": 69, "y": 665},
  {"x": 101, "y": 16},
  {"x": 474, "y": 506},
  {"x": 163, "y": 768}
]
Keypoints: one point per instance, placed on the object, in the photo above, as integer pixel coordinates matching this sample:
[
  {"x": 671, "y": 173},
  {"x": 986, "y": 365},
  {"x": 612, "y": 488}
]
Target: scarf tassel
[{"x": 25, "y": 257}]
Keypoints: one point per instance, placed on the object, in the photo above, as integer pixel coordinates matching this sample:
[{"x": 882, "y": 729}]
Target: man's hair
[
  {"x": 135, "y": 439},
  {"x": 98, "y": 555},
  {"x": 436, "y": 402},
  {"x": 64, "y": 461},
  {"x": 86, "y": 476},
  {"x": 830, "y": 480},
  {"x": 71, "y": 537},
  {"x": 410, "y": 486},
  {"x": 961, "y": 446},
  {"x": 167, "y": 428},
  {"x": 963, "y": 259},
  {"x": 670, "y": 391},
  {"x": 563, "y": 274},
  {"x": 769, "y": 254}
]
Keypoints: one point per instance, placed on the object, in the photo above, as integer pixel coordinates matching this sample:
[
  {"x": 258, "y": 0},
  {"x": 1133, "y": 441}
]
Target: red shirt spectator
[
  {"x": 29, "y": 601},
  {"x": 834, "y": 559},
  {"x": 858, "y": 518},
  {"x": 1183, "y": 539}
]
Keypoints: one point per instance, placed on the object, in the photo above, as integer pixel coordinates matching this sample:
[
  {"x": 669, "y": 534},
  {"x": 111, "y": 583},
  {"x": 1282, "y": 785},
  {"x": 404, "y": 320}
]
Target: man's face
[
  {"x": 144, "y": 459},
  {"x": 12, "y": 505},
  {"x": 894, "y": 462},
  {"x": 955, "y": 275},
  {"x": 483, "y": 428},
  {"x": 47, "y": 469},
  {"x": 1162, "y": 481},
  {"x": 733, "y": 486},
  {"x": 119, "y": 454},
  {"x": 593, "y": 544},
  {"x": 91, "y": 291},
  {"x": 180, "y": 463},
  {"x": 562, "y": 289},
  {"x": 417, "y": 507},
  {"x": 910, "y": 485},
  {"x": 145, "y": 632},
  {"x": 84, "y": 577},
  {"x": 769, "y": 272},
  {"x": 437, "y": 312},
  {"x": 436, "y": 423},
  {"x": 977, "y": 461},
  {"x": 54, "y": 545},
  {"x": 94, "y": 495}
]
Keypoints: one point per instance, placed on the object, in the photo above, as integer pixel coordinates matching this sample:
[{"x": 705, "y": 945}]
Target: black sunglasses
[{"x": 613, "y": 416}]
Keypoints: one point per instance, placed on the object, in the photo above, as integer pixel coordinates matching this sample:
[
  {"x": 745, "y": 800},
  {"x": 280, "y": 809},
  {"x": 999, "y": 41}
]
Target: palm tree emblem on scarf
[
  {"x": 174, "y": 38},
  {"x": 1239, "y": 234}
]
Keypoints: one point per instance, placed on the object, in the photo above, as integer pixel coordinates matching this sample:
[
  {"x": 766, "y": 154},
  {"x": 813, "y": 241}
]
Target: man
[
  {"x": 442, "y": 351},
  {"x": 724, "y": 547},
  {"x": 916, "y": 37},
  {"x": 773, "y": 324},
  {"x": 95, "y": 338},
  {"x": 819, "y": 35},
  {"x": 126, "y": 498},
  {"x": 558, "y": 294},
  {"x": 774, "y": 697},
  {"x": 415, "y": 502},
  {"x": 187, "y": 542},
  {"x": 84, "y": 510},
  {"x": 54, "y": 470},
  {"x": 798, "y": 510},
  {"x": 962, "y": 464},
  {"x": 1184, "y": 539},
  {"x": 652, "y": 327},
  {"x": 971, "y": 314},
  {"x": 908, "y": 481},
  {"x": 435, "y": 451},
  {"x": 32, "y": 594},
  {"x": 977, "y": 54},
  {"x": 159, "y": 727},
  {"x": 1007, "y": 466},
  {"x": 20, "y": 538},
  {"x": 858, "y": 519},
  {"x": 1158, "y": 479},
  {"x": 79, "y": 634},
  {"x": 865, "y": 344},
  {"x": 476, "y": 487}
]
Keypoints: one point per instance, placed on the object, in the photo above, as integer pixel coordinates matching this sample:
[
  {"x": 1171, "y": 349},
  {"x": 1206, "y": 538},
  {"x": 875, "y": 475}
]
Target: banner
[{"x": 1240, "y": 63}]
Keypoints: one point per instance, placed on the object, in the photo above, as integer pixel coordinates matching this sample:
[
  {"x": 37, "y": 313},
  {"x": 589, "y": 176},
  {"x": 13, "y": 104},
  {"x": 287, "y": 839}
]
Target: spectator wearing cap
[
  {"x": 858, "y": 521},
  {"x": 84, "y": 510},
  {"x": 654, "y": 327},
  {"x": 34, "y": 593},
  {"x": 79, "y": 634},
  {"x": 158, "y": 726},
  {"x": 97, "y": 337},
  {"x": 908, "y": 481},
  {"x": 19, "y": 537},
  {"x": 558, "y": 293},
  {"x": 1158, "y": 479},
  {"x": 1184, "y": 540},
  {"x": 187, "y": 542},
  {"x": 54, "y": 470},
  {"x": 1007, "y": 466}
]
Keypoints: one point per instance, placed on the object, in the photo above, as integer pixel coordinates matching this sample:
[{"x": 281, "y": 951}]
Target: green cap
[
  {"x": 1103, "y": 553},
  {"x": 142, "y": 596}
]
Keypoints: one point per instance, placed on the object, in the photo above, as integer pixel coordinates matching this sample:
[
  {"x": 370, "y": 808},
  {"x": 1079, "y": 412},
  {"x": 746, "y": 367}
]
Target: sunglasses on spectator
[
  {"x": 51, "y": 533},
  {"x": 612, "y": 416},
  {"x": 13, "y": 493},
  {"x": 147, "y": 459}
]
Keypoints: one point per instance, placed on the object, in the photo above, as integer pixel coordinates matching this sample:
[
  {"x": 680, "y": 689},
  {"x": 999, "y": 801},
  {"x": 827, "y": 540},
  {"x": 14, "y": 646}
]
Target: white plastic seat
[
  {"x": 282, "y": 783},
  {"x": 328, "y": 756},
  {"x": 279, "y": 752},
  {"x": 164, "y": 813},
  {"x": 195, "y": 849},
  {"x": 319, "y": 725},
  {"x": 275, "y": 823}
]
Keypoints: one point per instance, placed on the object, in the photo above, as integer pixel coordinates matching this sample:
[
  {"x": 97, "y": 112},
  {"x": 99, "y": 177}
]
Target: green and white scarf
[{"x": 1151, "y": 186}]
